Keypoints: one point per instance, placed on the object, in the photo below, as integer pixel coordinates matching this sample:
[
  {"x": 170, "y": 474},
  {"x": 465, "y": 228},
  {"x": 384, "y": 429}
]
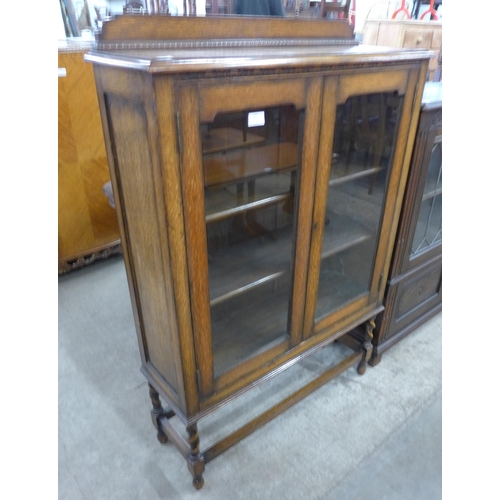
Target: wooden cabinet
[
  {"x": 408, "y": 34},
  {"x": 258, "y": 183},
  {"x": 414, "y": 292},
  {"x": 87, "y": 225}
]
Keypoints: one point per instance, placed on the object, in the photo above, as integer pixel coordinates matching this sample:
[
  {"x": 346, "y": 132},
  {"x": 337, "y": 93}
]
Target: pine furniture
[{"x": 406, "y": 34}]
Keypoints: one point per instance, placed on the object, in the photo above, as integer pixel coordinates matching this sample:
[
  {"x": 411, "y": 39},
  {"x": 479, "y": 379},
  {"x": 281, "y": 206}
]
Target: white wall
[
  {"x": 362, "y": 9},
  {"x": 200, "y": 7}
]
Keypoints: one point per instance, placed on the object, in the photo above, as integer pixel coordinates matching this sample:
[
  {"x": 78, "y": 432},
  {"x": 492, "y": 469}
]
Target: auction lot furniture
[
  {"x": 414, "y": 289},
  {"x": 258, "y": 168}
]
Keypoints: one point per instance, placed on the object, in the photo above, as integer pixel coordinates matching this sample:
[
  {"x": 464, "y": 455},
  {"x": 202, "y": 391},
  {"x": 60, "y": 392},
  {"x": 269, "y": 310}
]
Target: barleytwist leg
[
  {"x": 158, "y": 412},
  {"x": 367, "y": 345},
  {"x": 196, "y": 462}
]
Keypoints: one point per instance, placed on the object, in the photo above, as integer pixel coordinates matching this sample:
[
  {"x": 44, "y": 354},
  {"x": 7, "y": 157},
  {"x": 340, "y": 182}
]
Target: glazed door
[
  {"x": 248, "y": 153},
  {"x": 365, "y": 124},
  {"x": 426, "y": 226}
]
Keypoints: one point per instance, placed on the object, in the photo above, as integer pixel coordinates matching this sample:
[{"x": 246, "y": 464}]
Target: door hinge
[
  {"x": 414, "y": 97},
  {"x": 198, "y": 380},
  {"x": 179, "y": 132},
  {"x": 380, "y": 281}
]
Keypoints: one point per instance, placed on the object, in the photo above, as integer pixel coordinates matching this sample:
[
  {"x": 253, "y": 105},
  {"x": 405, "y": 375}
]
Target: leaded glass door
[
  {"x": 429, "y": 231},
  {"x": 421, "y": 232}
]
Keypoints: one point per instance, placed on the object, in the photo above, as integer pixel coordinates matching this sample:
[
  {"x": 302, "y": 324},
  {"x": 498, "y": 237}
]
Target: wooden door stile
[
  {"x": 172, "y": 198},
  {"x": 196, "y": 241},
  {"x": 329, "y": 106}
]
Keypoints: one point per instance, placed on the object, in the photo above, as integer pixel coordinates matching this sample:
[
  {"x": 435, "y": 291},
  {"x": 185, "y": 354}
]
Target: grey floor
[{"x": 371, "y": 436}]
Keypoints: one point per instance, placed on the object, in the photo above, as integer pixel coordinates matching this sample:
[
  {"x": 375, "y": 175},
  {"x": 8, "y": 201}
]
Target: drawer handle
[
  {"x": 61, "y": 72},
  {"x": 419, "y": 39}
]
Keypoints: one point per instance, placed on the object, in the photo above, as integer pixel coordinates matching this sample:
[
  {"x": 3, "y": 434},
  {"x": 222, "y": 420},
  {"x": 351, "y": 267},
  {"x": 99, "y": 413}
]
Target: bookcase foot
[
  {"x": 366, "y": 346},
  {"x": 195, "y": 460},
  {"x": 158, "y": 412}
]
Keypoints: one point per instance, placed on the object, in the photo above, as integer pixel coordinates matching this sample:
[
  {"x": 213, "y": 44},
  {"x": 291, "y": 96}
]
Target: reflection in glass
[
  {"x": 429, "y": 224},
  {"x": 250, "y": 162},
  {"x": 365, "y": 131}
]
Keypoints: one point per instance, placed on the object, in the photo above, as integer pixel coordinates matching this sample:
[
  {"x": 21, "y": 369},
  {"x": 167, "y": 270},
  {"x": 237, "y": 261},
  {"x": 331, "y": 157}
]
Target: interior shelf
[
  {"x": 242, "y": 165},
  {"x": 339, "y": 174},
  {"x": 245, "y": 332},
  {"x": 334, "y": 291},
  {"x": 244, "y": 266},
  {"x": 224, "y": 139},
  {"x": 342, "y": 232},
  {"x": 225, "y": 202},
  {"x": 249, "y": 264}
]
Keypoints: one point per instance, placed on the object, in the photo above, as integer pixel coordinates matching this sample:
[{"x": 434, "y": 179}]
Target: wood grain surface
[{"x": 87, "y": 222}]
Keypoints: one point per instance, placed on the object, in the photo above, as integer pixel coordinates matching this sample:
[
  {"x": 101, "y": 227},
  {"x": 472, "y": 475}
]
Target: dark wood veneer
[{"x": 414, "y": 288}]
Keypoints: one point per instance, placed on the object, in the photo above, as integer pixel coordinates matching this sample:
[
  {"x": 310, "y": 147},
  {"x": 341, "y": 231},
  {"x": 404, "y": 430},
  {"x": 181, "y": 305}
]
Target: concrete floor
[{"x": 371, "y": 436}]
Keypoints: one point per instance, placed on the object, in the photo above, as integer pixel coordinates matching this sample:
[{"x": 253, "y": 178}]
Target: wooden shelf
[
  {"x": 355, "y": 172},
  {"x": 229, "y": 212},
  {"x": 249, "y": 264},
  {"x": 335, "y": 290},
  {"x": 246, "y": 164},
  {"x": 254, "y": 262},
  {"x": 225, "y": 139},
  {"x": 342, "y": 232},
  {"x": 245, "y": 332}
]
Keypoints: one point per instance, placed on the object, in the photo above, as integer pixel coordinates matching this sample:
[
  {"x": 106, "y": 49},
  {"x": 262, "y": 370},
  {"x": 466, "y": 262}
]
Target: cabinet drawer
[
  {"x": 417, "y": 39},
  {"x": 414, "y": 293}
]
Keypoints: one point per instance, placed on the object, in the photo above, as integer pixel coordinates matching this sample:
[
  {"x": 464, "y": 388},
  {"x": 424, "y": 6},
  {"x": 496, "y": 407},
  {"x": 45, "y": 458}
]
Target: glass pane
[
  {"x": 429, "y": 224},
  {"x": 365, "y": 132},
  {"x": 250, "y": 162}
]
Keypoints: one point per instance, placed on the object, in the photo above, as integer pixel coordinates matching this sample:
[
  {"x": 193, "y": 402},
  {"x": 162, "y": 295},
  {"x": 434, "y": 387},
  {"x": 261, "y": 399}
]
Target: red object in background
[
  {"x": 352, "y": 14},
  {"x": 404, "y": 9},
  {"x": 430, "y": 11}
]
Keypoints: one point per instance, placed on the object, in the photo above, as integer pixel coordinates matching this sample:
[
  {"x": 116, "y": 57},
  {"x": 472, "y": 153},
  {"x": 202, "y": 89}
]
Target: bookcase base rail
[{"x": 197, "y": 460}]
